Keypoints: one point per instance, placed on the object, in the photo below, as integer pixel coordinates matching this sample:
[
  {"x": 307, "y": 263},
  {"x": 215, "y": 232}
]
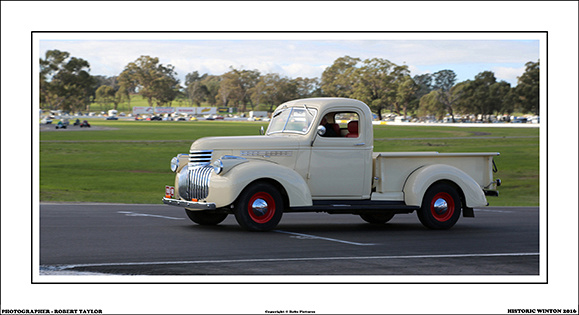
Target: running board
[{"x": 355, "y": 206}]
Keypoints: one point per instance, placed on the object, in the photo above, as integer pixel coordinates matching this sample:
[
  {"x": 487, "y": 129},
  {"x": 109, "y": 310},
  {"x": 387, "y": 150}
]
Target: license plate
[{"x": 169, "y": 191}]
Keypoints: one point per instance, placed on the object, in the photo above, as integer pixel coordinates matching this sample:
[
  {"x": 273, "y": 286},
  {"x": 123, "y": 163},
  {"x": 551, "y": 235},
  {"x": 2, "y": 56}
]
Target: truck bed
[{"x": 391, "y": 169}]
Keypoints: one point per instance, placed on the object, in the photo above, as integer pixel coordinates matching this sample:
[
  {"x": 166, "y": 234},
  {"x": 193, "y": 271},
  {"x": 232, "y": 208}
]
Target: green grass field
[{"x": 130, "y": 162}]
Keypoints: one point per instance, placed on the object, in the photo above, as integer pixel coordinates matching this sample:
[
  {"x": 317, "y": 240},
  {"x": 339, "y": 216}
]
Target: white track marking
[
  {"x": 490, "y": 210},
  {"x": 307, "y": 236},
  {"x": 133, "y": 214},
  {"x": 64, "y": 267}
]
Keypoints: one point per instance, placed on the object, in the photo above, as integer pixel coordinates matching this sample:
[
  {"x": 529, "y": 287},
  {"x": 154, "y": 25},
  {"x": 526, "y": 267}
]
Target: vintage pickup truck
[{"x": 317, "y": 156}]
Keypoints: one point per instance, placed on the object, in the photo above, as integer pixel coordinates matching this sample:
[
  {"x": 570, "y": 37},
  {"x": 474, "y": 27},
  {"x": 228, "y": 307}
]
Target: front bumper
[{"x": 189, "y": 204}]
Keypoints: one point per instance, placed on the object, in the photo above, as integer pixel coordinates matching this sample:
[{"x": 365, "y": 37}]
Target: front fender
[
  {"x": 224, "y": 189},
  {"x": 422, "y": 178}
]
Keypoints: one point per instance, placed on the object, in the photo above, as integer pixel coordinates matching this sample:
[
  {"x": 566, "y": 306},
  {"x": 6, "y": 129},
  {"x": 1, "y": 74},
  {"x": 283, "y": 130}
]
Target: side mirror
[
  {"x": 261, "y": 131},
  {"x": 320, "y": 131}
]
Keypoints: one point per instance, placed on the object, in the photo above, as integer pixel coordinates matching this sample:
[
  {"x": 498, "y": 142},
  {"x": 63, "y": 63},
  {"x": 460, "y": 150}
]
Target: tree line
[{"x": 66, "y": 84}]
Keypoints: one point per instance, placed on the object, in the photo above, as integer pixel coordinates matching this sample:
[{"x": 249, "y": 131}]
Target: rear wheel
[
  {"x": 441, "y": 207},
  {"x": 206, "y": 217},
  {"x": 259, "y": 207},
  {"x": 377, "y": 218}
]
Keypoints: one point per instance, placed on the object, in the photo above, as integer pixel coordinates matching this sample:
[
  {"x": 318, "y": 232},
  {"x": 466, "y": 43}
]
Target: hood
[{"x": 278, "y": 142}]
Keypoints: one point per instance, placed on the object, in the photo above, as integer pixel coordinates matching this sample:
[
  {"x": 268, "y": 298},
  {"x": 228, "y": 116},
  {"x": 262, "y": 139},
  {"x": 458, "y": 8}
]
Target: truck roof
[{"x": 322, "y": 103}]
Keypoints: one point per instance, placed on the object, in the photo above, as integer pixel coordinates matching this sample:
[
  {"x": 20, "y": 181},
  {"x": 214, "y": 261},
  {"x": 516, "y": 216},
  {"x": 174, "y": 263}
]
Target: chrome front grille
[
  {"x": 198, "y": 158},
  {"x": 194, "y": 182},
  {"x": 194, "y": 179},
  {"x": 199, "y": 182}
]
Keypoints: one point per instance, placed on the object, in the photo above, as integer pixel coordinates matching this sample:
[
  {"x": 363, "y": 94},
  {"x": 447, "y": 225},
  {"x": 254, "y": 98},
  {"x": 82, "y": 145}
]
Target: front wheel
[
  {"x": 206, "y": 217},
  {"x": 259, "y": 207},
  {"x": 441, "y": 207}
]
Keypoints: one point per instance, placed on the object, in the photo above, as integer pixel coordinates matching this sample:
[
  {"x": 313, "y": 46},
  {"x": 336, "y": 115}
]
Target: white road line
[
  {"x": 65, "y": 267},
  {"x": 307, "y": 236},
  {"x": 489, "y": 210},
  {"x": 133, "y": 214}
]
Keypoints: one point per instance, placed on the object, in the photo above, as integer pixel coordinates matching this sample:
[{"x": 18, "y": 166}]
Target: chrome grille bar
[
  {"x": 201, "y": 157},
  {"x": 199, "y": 182}
]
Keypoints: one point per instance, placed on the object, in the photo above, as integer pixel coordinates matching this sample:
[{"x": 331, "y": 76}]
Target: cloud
[
  {"x": 508, "y": 74},
  {"x": 305, "y": 58}
]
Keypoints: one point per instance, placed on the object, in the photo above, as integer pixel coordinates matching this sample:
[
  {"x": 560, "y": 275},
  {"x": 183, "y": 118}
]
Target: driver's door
[{"x": 340, "y": 166}]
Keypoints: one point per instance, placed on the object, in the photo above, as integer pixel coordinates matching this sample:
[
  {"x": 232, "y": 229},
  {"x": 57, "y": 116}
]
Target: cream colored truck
[{"x": 317, "y": 156}]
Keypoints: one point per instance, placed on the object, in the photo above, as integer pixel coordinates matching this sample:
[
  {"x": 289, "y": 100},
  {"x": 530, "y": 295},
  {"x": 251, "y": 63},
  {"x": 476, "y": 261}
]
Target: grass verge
[{"x": 130, "y": 163}]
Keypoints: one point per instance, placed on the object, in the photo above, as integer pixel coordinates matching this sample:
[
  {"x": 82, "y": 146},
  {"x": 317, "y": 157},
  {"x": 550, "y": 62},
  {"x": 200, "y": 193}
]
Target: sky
[{"x": 304, "y": 58}]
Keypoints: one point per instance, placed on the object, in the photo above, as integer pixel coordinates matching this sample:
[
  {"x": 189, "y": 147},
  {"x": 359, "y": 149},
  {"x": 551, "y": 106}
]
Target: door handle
[{"x": 360, "y": 144}]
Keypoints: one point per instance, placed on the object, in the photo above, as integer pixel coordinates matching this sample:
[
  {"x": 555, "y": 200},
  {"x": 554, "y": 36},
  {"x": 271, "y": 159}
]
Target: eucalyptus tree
[
  {"x": 483, "y": 95},
  {"x": 527, "y": 88},
  {"x": 430, "y": 105},
  {"x": 376, "y": 83},
  {"x": 443, "y": 83},
  {"x": 105, "y": 95},
  {"x": 338, "y": 79},
  {"x": 423, "y": 83},
  {"x": 236, "y": 87},
  {"x": 65, "y": 82},
  {"x": 212, "y": 84},
  {"x": 502, "y": 97},
  {"x": 273, "y": 89},
  {"x": 194, "y": 87},
  {"x": 247, "y": 79},
  {"x": 307, "y": 87},
  {"x": 127, "y": 83},
  {"x": 154, "y": 81},
  {"x": 406, "y": 94}
]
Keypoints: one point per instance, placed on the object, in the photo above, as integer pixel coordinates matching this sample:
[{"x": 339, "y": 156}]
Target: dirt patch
[
  {"x": 436, "y": 144},
  {"x": 477, "y": 133}
]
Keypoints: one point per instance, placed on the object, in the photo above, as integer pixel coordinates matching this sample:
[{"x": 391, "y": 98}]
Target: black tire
[
  {"x": 441, "y": 207},
  {"x": 206, "y": 217},
  {"x": 259, "y": 207},
  {"x": 377, "y": 218}
]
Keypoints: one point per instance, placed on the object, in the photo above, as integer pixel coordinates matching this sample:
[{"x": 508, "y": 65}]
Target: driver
[{"x": 332, "y": 130}]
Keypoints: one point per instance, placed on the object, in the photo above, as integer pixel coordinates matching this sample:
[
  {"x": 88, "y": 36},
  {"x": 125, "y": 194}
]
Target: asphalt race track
[{"x": 160, "y": 240}]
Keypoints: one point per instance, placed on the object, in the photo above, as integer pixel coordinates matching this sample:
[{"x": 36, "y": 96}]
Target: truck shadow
[{"x": 353, "y": 227}]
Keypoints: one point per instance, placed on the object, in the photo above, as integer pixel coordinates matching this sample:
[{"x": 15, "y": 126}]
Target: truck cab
[{"x": 317, "y": 155}]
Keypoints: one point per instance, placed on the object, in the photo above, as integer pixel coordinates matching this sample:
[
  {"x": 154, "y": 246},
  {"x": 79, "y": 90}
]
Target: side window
[{"x": 341, "y": 124}]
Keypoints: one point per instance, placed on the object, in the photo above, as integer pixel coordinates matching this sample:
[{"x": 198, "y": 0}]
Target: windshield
[{"x": 292, "y": 119}]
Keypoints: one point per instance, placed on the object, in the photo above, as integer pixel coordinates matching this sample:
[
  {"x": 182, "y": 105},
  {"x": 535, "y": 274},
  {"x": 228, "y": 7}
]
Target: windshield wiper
[
  {"x": 281, "y": 110},
  {"x": 307, "y": 109}
]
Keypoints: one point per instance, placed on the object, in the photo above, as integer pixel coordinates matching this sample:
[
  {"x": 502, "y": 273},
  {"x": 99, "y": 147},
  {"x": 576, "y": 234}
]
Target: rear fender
[
  {"x": 422, "y": 178},
  {"x": 224, "y": 189}
]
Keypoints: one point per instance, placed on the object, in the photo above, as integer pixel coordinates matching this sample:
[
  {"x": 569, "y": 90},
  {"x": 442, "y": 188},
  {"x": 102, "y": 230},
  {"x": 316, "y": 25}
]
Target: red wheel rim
[
  {"x": 261, "y": 207},
  {"x": 442, "y": 207}
]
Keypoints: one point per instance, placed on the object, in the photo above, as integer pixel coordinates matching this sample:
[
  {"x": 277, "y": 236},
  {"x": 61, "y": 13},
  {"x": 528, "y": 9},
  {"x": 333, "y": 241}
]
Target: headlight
[
  {"x": 225, "y": 163},
  {"x": 174, "y": 164},
  {"x": 218, "y": 166}
]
